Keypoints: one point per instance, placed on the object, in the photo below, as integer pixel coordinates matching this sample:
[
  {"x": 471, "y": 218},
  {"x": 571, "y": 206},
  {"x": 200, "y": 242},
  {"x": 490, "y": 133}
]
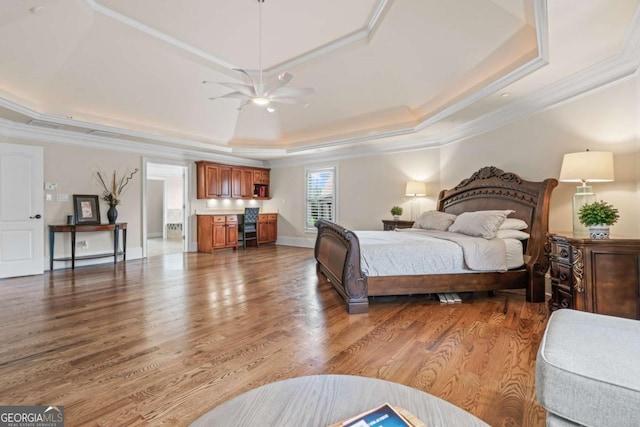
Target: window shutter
[{"x": 320, "y": 195}]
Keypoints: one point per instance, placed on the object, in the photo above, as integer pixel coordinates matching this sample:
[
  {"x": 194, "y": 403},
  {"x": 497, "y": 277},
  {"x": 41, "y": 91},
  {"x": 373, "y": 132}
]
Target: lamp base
[
  {"x": 584, "y": 195},
  {"x": 415, "y": 209}
]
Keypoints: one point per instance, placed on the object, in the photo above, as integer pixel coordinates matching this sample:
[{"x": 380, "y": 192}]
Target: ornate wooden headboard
[{"x": 492, "y": 188}]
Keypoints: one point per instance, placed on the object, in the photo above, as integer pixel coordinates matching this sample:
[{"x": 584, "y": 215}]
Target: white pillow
[
  {"x": 435, "y": 220},
  {"x": 479, "y": 223},
  {"x": 513, "y": 224},
  {"x": 511, "y": 234}
]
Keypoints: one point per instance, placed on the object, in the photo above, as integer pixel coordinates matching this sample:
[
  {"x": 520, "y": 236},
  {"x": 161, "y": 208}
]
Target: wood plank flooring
[{"x": 163, "y": 340}]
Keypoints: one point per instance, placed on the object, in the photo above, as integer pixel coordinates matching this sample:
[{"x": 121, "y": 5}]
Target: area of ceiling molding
[
  {"x": 459, "y": 115},
  {"x": 365, "y": 33}
]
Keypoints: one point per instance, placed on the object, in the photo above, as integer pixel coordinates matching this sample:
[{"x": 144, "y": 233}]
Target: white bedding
[{"x": 415, "y": 251}]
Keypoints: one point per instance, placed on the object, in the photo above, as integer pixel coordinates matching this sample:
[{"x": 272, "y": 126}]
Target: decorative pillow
[
  {"x": 511, "y": 234},
  {"x": 513, "y": 224},
  {"x": 435, "y": 220},
  {"x": 479, "y": 223}
]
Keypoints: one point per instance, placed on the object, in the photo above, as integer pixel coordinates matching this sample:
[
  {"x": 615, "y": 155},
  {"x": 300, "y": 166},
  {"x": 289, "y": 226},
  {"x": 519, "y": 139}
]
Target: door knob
[{"x": 37, "y": 216}]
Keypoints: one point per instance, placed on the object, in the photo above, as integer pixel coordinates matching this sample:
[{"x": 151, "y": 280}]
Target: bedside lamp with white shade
[
  {"x": 583, "y": 167},
  {"x": 415, "y": 189}
]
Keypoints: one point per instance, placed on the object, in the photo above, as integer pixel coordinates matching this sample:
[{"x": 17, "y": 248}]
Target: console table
[
  {"x": 595, "y": 275},
  {"x": 82, "y": 228}
]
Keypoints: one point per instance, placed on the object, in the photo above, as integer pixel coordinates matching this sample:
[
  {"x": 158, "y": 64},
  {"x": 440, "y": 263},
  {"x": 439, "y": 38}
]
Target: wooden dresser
[{"x": 598, "y": 276}]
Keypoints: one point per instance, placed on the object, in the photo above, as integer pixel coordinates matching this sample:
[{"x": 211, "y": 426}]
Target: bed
[{"x": 338, "y": 252}]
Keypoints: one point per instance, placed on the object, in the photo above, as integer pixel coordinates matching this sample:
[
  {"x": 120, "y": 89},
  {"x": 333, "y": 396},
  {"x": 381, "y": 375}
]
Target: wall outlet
[{"x": 82, "y": 244}]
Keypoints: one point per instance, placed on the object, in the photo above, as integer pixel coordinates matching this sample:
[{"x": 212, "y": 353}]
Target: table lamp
[
  {"x": 415, "y": 189},
  {"x": 583, "y": 167}
]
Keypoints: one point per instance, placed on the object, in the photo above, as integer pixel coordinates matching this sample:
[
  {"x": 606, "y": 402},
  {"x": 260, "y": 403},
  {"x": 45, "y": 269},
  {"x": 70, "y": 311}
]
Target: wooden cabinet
[
  {"x": 392, "y": 224},
  {"x": 598, "y": 276},
  {"x": 241, "y": 183},
  {"x": 223, "y": 181},
  {"x": 217, "y": 232},
  {"x": 261, "y": 176},
  {"x": 261, "y": 184},
  {"x": 267, "y": 228},
  {"x": 213, "y": 180}
]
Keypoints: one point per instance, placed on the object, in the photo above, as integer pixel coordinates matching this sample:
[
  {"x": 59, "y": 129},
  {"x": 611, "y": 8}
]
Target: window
[{"x": 321, "y": 195}]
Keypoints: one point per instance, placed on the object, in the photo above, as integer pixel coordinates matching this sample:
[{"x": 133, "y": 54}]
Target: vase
[
  {"x": 396, "y": 217},
  {"x": 112, "y": 214},
  {"x": 600, "y": 231}
]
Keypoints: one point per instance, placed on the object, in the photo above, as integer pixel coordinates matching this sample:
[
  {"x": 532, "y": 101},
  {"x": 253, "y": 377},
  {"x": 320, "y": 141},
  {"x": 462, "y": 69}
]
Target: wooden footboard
[{"x": 337, "y": 251}]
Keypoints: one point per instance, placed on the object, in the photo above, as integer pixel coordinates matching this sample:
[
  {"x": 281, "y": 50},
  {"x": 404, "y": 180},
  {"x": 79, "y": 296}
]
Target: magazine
[{"x": 382, "y": 416}]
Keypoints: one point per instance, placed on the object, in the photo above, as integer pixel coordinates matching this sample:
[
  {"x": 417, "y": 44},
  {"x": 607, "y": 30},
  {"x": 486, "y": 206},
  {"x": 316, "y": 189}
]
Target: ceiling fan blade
[
  {"x": 290, "y": 101},
  {"x": 291, "y": 92},
  {"x": 253, "y": 82},
  {"x": 282, "y": 80},
  {"x": 242, "y": 88},
  {"x": 231, "y": 95}
]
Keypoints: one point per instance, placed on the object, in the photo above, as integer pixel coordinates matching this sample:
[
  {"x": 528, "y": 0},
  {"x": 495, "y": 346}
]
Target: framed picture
[{"x": 86, "y": 209}]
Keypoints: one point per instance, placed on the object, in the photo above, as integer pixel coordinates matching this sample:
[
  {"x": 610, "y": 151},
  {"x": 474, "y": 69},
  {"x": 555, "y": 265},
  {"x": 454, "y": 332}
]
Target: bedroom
[{"x": 605, "y": 118}]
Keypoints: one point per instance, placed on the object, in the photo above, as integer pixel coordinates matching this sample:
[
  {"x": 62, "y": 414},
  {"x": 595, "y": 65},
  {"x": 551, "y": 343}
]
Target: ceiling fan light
[{"x": 259, "y": 100}]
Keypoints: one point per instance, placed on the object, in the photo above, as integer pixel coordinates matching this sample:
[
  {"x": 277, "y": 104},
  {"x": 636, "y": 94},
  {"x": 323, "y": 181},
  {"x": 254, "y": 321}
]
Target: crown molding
[
  {"x": 12, "y": 129},
  {"x": 365, "y": 33},
  {"x": 66, "y": 121}
]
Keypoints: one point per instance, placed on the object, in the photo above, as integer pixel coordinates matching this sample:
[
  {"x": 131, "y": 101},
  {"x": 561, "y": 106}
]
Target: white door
[{"x": 21, "y": 210}]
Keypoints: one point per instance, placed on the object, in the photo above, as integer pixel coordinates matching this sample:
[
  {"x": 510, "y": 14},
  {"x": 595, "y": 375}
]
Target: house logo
[{"x": 31, "y": 416}]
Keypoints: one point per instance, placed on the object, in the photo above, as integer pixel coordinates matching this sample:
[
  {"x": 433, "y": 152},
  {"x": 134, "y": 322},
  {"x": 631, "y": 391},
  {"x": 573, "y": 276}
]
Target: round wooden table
[{"x": 323, "y": 400}]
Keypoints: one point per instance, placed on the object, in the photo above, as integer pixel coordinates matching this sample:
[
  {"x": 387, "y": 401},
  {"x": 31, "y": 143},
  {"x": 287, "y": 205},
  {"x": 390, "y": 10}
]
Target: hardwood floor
[{"x": 161, "y": 341}]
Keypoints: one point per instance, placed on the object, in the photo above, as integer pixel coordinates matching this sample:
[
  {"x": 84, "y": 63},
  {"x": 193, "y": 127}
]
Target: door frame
[{"x": 188, "y": 168}]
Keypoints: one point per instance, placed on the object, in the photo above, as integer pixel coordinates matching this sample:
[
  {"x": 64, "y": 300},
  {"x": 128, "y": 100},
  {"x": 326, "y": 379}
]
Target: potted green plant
[
  {"x": 598, "y": 216},
  {"x": 396, "y": 211}
]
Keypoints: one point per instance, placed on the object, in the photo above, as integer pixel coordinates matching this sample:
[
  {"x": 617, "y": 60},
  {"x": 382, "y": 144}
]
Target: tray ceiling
[{"x": 385, "y": 72}]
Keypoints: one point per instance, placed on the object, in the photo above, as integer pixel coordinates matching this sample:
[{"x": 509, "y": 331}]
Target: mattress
[{"x": 421, "y": 252}]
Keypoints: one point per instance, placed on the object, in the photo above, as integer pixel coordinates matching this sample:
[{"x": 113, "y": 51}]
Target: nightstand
[
  {"x": 598, "y": 276},
  {"x": 391, "y": 224}
]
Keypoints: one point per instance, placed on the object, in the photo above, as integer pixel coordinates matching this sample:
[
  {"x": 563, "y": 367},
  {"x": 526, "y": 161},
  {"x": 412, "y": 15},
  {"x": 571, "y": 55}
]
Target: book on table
[{"x": 383, "y": 416}]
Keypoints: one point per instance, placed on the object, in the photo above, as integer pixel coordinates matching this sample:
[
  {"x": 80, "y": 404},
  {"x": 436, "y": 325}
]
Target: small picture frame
[{"x": 86, "y": 209}]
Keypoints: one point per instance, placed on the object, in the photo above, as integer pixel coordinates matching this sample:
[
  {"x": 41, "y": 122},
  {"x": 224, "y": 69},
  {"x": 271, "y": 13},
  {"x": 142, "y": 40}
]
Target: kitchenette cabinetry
[
  {"x": 267, "y": 228},
  {"x": 216, "y": 181},
  {"x": 217, "y": 232}
]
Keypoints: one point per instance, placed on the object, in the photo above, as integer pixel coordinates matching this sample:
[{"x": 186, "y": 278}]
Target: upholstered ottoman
[{"x": 588, "y": 370}]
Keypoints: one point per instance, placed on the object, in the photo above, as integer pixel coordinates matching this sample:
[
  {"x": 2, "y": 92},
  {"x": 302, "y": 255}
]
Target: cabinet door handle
[
  {"x": 563, "y": 276},
  {"x": 36, "y": 216},
  {"x": 564, "y": 253}
]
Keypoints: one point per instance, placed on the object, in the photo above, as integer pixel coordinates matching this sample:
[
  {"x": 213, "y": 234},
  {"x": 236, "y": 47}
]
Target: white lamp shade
[
  {"x": 416, "y": 188},
  {"x": 587, "y": 166}
]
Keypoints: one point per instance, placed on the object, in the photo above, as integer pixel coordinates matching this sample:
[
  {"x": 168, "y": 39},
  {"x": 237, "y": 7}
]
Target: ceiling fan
[{"x": 260, "y": 93}]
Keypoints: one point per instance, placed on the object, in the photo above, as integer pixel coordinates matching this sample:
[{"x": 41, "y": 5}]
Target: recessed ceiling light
[
  {"x": 36, "y": 9},
  {"x": 505, "y": 94}
]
